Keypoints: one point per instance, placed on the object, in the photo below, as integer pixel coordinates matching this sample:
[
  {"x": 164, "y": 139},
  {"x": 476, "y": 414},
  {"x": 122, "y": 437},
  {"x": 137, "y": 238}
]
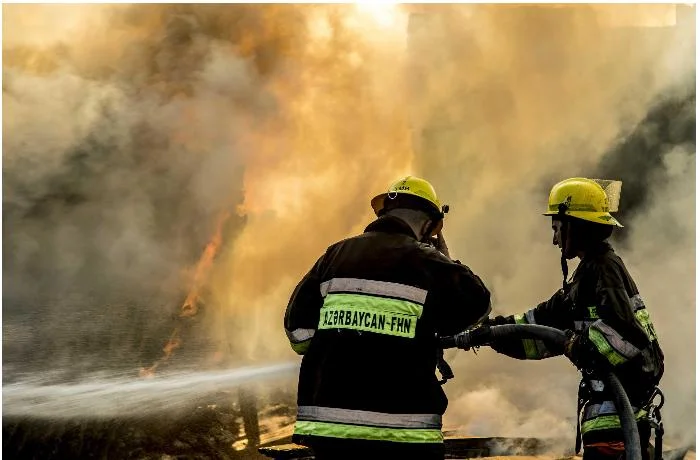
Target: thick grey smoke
[
  {"x": 115, "y": 168},
  {"x": 641, "y": 157}
]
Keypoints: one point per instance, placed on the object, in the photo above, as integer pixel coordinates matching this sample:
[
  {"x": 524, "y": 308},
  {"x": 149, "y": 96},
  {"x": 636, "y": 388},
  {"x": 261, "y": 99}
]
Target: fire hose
[{"x": 483, "y": 335}]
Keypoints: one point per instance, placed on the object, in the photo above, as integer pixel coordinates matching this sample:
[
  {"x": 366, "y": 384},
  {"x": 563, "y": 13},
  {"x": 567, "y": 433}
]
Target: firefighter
[
  {"x": 602, "y": 306},
  {"x": 366, "y": 318}
]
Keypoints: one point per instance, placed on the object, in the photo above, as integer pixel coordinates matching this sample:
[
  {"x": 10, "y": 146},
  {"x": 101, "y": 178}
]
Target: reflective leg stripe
[
  {"x": 607, "y": 422},
  {"x": 339, "y": 430},
  {"x": 372, "y": 287},
  {"x": 363, "y": 417},
  {"x": 360, "y": 424},
  {"x": 370, "y": 313},
  {"x": 611, "y": 344},
  {"x": 604, "y": 408},
  {"x": 534, "y": 349}
]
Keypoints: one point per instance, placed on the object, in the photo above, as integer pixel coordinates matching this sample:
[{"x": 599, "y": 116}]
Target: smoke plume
[{"x": 129, "y": 129}]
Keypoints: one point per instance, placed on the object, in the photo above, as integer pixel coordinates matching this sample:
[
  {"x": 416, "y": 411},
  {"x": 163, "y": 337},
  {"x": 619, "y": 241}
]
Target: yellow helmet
[
  {"x": 409, "y": 185},
  {"x": 582, "y": 198}
]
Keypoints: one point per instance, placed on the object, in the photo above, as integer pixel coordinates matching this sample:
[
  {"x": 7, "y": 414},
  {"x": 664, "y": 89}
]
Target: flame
[{"x": 190, "y": 306}]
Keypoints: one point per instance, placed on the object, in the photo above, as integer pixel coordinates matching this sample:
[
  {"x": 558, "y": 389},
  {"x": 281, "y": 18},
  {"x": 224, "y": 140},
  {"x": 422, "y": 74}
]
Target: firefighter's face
[
  {"x": 558, "y": 239},
  {"x": 556, "y": 229}
]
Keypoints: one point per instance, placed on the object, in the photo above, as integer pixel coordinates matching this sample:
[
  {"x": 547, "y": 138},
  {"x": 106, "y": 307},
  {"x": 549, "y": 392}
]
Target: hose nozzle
[{"x": 476, "y": 337}]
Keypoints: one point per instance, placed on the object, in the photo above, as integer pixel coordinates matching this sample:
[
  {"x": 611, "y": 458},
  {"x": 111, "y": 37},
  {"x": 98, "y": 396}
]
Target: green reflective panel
[
  {"x": 601, "y": 343},
  {"x": 528, "y": 344},
  {"x": 339, "y": 430},
  {"x": 642, "y": 316},
  {"x": 369, "y": 313},
  {"x": 607, "y": 422},
  {"x": 301, "y": 347}
]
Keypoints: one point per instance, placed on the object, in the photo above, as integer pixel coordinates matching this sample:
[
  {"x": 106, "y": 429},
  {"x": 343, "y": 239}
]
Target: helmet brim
[
  {"x": 378, "y": 203},
  {"x": 603, "y": 218}
]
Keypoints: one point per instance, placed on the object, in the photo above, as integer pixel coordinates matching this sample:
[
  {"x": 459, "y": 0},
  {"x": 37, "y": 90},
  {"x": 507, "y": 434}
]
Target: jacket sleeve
[
  {"x": 466, "y": 299},
  {"x": 552, "y": 313},
  {"x": 303, "y": 309},
  {"x": 615, "y": 334}
]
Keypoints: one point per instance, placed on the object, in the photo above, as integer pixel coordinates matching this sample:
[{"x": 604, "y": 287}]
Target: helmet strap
[
  {"x": 565, "y": 272},
  {"x": 564, "y": 235}
]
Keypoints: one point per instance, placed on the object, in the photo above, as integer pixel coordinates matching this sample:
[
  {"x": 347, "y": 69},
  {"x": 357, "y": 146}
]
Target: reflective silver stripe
[
  {"x": 581, "y": 325},
  {"x": 372, "y": 287},
  {"x": 363, "y": 417},
  {"x": 637, "y": 302},
  {"x": 604, "y": 408},
  {"x": 300, "y": 335},
  {"x": 615, "y": 340},
  {"x": 597, "y": 385},
  {"x": 530, "y": 317},
  {"x": 542, "y": 349}
]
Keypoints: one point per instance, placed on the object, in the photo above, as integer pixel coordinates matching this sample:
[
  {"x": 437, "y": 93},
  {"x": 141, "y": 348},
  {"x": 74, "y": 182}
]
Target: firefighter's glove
[
  {"x": 473, "y": 338},
  {"x": 438, "y": 242},
  {"x": 580, "y": 351},
  {"x": 497, "y": 321},
  {"x": 442, "y": 245},
  {"x": 480, "y": 335},
  {"x": 500, "y": 346}
]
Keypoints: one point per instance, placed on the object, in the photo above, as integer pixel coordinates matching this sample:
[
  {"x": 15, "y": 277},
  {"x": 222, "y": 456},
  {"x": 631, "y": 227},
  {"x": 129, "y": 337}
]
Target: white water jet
[{"x": 120, "y": 397}]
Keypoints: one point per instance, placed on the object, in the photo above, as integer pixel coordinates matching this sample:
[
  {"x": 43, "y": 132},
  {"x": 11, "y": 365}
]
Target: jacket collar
[
  {"x": 598, "y": 249},
  {"x": 390, "y": 224}
]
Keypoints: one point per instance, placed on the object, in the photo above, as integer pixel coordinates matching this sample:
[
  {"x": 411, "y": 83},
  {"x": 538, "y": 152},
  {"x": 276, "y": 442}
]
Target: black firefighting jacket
[
  {"x": 603, "y": 305},
  {"x": 365, "y": 318}
]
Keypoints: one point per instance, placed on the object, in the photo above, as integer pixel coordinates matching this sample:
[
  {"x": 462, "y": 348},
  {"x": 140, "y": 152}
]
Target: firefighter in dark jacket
[
  {"x": 366, "y": 317},
  {"x": 602, "y": 306}
]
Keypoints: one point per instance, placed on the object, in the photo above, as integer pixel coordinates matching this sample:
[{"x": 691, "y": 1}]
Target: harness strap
[
  {"x": 583, "y": 396},
  {"x": 654, "y": 419}
]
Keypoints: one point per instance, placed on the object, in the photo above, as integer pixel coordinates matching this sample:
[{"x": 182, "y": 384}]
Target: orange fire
[{"x": 190, "y": 306}]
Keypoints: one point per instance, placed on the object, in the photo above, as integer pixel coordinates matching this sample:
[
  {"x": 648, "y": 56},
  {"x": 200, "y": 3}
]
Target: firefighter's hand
[
  {"x": 441, "y": 245},
  {"x": 579, "y": 351},
  {"x": 497, "y": 321},
  {"x": 500, "y": 345}
]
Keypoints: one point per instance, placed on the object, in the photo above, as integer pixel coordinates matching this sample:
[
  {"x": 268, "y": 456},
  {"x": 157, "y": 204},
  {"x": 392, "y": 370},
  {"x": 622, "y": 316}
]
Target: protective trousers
[
  {"x": 346, "y": 449},
  {"x": 614, "y": 448}
]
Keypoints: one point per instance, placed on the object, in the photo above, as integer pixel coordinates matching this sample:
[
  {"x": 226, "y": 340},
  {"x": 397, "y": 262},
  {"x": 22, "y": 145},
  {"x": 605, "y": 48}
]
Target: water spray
[{"x": 126, "y": 396}]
